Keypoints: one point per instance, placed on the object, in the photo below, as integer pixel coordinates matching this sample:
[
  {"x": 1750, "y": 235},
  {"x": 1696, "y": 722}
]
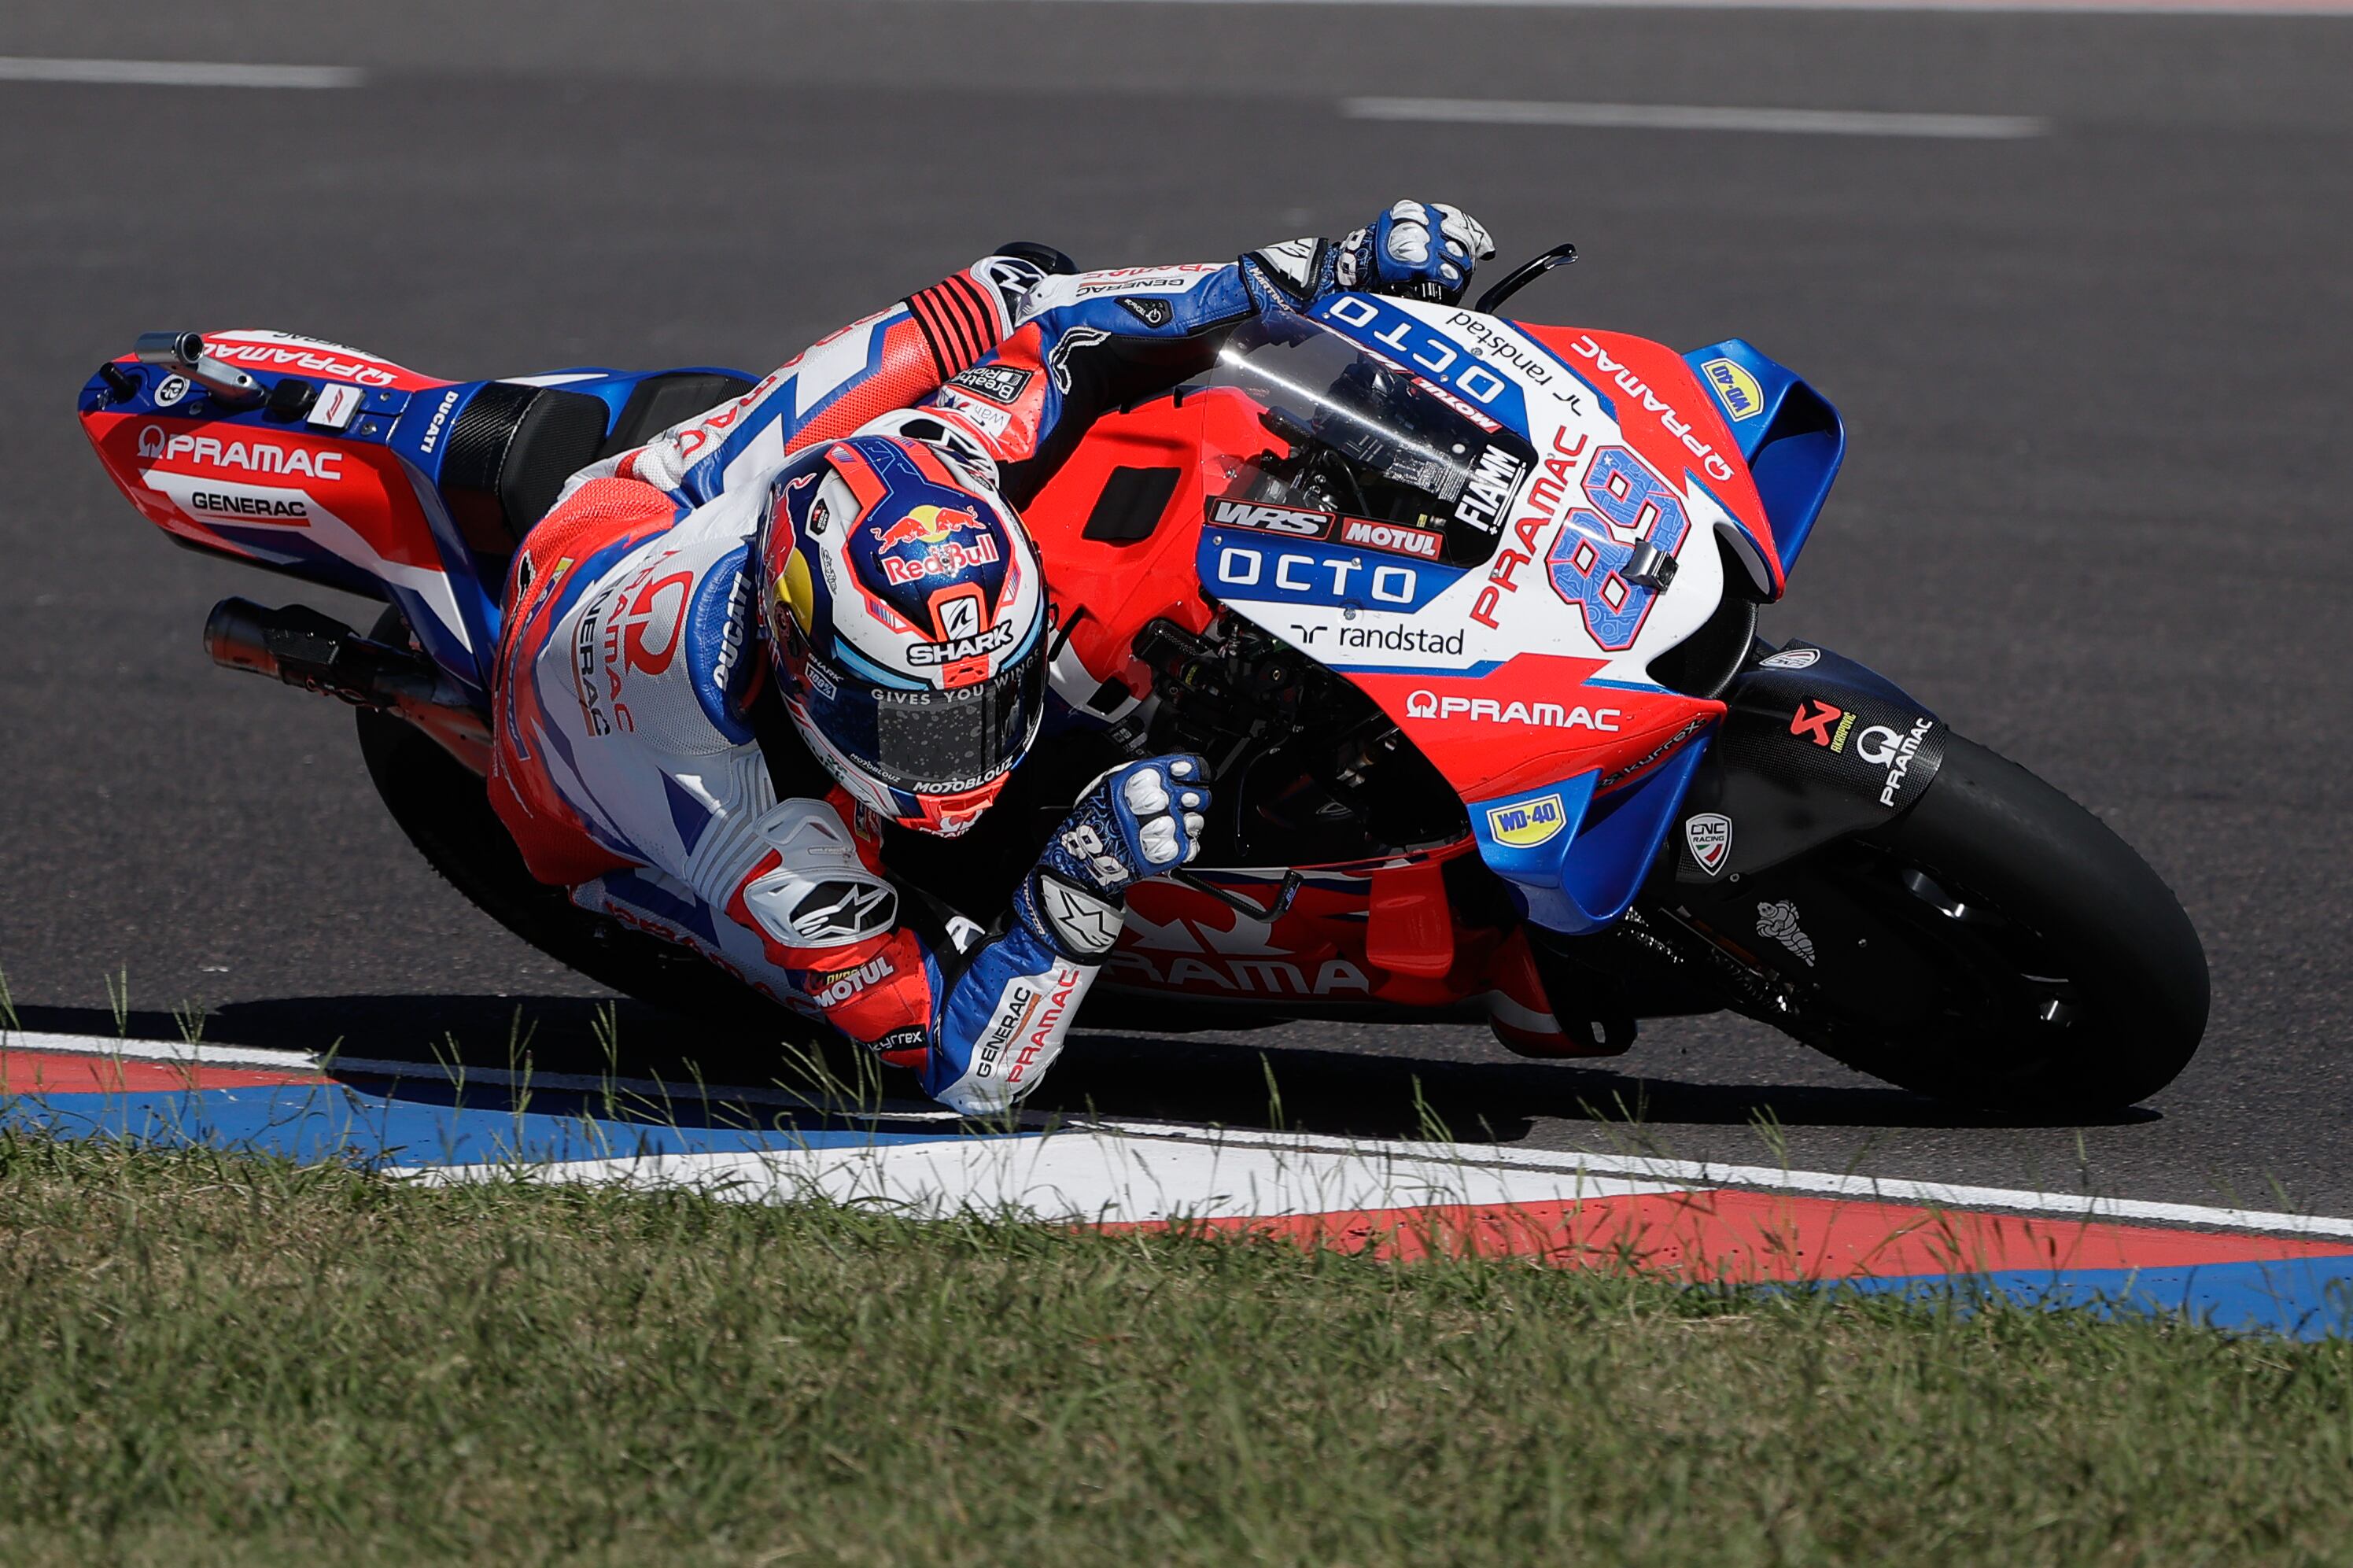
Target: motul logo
[{"x": 1390, "y": 536}]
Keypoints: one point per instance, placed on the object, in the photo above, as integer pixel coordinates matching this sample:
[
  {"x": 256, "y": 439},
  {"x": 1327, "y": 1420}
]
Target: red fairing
[
  {"x": 283, "y": 353},
  {"x": 1124, "y": 585},
  {"x": 1534, "y": 722},
  {"x": 1668, "y": 418},
  {"x": 193, "y": 478}
]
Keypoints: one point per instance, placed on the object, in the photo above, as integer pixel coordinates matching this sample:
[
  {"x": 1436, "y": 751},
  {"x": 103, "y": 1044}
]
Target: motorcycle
[{"x": 1462, "y": 608}]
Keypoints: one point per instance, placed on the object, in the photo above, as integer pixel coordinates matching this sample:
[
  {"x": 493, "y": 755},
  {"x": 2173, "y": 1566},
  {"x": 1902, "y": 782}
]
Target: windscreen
[{"x": 1318, "y": 425}]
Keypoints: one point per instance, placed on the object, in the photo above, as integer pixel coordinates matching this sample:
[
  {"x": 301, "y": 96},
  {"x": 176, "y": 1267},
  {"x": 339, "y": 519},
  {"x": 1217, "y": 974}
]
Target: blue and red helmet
[{"x": 906, "y": 616}]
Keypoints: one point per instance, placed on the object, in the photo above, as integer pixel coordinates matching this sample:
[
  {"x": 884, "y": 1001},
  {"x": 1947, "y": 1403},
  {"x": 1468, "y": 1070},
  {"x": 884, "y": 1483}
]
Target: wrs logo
[{"x": 1819, "y": 722}]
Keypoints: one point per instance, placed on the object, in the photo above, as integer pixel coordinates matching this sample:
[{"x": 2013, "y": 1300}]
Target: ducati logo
[{"x": 1708, "y": 836}]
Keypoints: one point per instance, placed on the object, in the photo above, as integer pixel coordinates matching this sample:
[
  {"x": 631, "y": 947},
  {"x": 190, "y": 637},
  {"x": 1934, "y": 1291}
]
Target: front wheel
[{"x": 1996, "y": 945}]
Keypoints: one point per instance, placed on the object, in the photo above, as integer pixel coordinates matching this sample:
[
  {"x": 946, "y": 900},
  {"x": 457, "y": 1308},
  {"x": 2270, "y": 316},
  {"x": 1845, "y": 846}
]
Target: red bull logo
[
  {"x": 935, "y": 528},
  {"x": 929, "y": 525}
]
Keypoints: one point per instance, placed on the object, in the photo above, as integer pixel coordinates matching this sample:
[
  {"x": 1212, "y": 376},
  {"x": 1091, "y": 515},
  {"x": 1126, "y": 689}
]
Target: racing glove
[
  {"x": 1416, "y": 250},
  {"x": 1132, "y": 824}
]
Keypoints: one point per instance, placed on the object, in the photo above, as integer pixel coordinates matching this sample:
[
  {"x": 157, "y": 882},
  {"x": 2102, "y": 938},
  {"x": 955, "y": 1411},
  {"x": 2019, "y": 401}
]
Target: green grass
[{"x": 210, "y": 1360}]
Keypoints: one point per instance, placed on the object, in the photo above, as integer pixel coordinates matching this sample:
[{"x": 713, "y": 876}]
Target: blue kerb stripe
[
  {"x": 414, "y": 1124},
  {"x": 2302, "y": 1298}
]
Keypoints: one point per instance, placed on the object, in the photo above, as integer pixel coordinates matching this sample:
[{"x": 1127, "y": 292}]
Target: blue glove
[
  {"x": 1416, "y": 250},
  {"x": 1134, "y": 823}
]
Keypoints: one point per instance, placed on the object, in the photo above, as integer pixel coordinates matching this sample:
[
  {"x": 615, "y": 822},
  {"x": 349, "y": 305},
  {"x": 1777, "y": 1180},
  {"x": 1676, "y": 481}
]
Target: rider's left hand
[{"x": 1417, "y": 250}]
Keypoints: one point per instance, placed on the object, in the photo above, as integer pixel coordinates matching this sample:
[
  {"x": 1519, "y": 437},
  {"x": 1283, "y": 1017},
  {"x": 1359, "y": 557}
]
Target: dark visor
[{"x": 932, "y": 742}]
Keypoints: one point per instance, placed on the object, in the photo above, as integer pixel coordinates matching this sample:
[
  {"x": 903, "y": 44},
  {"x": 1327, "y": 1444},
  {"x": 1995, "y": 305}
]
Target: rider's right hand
[{"x": 1134, "y": 823}]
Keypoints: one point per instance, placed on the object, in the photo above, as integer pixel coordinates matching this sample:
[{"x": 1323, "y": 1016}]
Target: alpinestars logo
[
  {"x": 1087, "y": 924},
  {"x": 836, "y": 911}
]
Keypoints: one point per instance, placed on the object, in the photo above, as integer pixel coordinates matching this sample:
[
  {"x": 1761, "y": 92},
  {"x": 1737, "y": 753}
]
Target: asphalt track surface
[{"x": 2092, "y": 509}]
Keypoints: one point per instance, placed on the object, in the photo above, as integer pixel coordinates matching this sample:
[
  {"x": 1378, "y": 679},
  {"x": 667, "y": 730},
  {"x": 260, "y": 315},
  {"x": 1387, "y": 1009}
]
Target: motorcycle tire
[{"x": 2027, "y": 959}]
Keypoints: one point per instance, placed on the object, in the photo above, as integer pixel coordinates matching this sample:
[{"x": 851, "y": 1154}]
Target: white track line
[
  {"x": 2052, "y": 7},
  {"x": 1694, "y": 116},
  {"x": 1078, "y": 1177},
  {"x": 1573, "y": 1166},
  {"x": 176, "y": 73}
]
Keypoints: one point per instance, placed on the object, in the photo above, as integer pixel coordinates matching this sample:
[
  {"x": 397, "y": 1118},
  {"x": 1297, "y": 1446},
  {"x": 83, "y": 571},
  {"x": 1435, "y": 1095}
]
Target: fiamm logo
[
  {"x": 1742, "y": 397},
  {"x": 1524, "y": 824}
]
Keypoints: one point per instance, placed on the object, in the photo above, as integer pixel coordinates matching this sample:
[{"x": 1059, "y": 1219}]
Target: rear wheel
[{"x": 1996, "y": 945}]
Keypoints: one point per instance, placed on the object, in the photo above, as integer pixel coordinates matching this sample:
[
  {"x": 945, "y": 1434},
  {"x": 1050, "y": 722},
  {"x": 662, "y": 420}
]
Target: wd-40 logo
[
  {"x": 1523, "y": 824},
  {"x": 1735, "y": 387}
]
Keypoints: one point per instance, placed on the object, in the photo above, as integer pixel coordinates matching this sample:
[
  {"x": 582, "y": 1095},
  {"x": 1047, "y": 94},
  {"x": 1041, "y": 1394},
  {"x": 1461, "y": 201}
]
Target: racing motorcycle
[{"x": 1462, "y": 609}]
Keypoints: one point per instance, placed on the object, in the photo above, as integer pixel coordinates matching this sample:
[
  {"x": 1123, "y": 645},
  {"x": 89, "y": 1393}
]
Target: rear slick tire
[{"x": 2065, "y": 976}]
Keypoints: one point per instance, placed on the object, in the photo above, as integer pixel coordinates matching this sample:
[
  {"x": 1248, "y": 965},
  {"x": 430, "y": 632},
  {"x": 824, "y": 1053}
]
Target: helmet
[{"x": 906, "y": 618}]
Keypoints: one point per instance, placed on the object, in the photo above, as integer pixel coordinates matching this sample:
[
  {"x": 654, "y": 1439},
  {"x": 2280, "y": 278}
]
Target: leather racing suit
[{"x": 626, "y": 762}]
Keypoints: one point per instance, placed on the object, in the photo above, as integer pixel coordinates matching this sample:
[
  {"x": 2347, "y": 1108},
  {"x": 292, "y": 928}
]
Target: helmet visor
[{"x": 930, "y": 742}]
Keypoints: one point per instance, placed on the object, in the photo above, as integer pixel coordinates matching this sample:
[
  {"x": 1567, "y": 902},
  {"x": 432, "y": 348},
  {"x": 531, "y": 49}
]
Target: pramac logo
[
  {"x": 252, "y": 457},
  {"x": 1488, "y": 710}
]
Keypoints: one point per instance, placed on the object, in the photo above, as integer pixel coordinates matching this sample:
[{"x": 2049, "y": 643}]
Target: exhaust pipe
[
  {"x": 183, "y": 353},
  {"x": 301, "y": 647}
]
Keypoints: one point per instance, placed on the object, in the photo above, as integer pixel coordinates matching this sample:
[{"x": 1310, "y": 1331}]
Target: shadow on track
[{"x": 1220, "y": 1081}]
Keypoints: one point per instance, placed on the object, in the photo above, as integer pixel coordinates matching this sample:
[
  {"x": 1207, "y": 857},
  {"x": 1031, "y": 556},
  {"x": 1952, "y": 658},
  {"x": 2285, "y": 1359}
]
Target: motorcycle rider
[{"x": 841, "y": 550}]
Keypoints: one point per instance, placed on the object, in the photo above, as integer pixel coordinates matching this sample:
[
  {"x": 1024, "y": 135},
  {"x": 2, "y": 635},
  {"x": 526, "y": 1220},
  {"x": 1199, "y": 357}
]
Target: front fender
[{"x": 1814, "y": 747}]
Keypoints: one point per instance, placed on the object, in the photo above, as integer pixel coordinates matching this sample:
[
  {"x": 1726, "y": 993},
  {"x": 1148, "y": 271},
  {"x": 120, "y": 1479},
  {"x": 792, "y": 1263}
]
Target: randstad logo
[
  {"x": 1527, "y": 823},
  {"x": 1743, "y": 398}
]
